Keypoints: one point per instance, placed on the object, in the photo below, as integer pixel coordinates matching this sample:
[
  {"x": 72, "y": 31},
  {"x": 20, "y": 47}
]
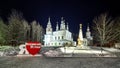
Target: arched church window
[
  {"x": 59, "y": 43},
  {"x": 48, "y": 29},
  {"x": 55, "y": 38},
  {"x": 58, "y": 38}
]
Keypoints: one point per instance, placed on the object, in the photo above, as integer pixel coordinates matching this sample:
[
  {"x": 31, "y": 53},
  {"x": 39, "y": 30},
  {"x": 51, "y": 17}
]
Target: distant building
[
  {"x": 89, "y": 37},
  {"x": 60, "y": 36},
  {"x": 84, "y": 41}
]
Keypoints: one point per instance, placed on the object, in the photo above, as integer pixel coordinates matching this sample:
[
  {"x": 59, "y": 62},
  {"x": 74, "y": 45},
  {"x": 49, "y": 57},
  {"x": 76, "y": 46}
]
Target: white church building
[
  {"x": 59, "y": 37},
  {"x": 62, "y": 35}
]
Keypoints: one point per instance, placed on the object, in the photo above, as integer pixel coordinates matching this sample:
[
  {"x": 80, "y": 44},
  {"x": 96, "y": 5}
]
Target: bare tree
[
  {"x": 15, "y": 21},
  {"x": 36, "y": 31},
  {"x": 33, "y": 30},
  {"x": 26, "y": 31},
  {"x": 104, "y": 29},
  {"x": 39, "y": 32},
  {"x": 16, "y": 27},
  {"x": 117, "y": 28}
]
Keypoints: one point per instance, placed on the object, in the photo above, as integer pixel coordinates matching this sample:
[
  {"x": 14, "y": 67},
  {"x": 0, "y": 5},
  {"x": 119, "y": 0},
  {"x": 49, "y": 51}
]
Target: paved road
[{"x": 42, "y": 62}]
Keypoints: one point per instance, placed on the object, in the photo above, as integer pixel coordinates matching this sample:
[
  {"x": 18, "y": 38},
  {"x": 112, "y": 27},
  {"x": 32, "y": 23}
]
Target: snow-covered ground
[
  {"x": 83, "y": 52},
  {"x": 88, "y": 50}
]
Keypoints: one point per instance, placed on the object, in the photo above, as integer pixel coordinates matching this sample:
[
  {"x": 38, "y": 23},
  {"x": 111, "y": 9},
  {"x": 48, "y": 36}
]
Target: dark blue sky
[{"x": 74, "y": 11}]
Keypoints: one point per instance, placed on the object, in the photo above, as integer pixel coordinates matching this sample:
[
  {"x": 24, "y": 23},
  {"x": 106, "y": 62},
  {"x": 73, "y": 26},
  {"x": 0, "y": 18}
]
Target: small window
[
  {"x": 62, "y": 37},
  {"x": 58, "y": 38},
  {"x": 55, "y": 38}
]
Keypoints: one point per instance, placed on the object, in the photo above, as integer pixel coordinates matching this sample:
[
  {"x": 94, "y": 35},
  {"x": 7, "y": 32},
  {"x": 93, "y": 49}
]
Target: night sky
[{"x": 73, "y": 11}]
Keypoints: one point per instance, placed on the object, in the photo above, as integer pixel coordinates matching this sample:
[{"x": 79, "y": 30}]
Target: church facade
[{"x": 59, "y": 37}]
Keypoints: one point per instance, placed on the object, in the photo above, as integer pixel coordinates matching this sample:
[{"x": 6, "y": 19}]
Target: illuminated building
[{"x": 60, "y": 36}]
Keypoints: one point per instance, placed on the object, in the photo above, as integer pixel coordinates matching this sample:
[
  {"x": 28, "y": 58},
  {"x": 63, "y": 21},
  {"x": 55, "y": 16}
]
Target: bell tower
[
  {"x": 88, "y": 33},
  {"x": 49, "y": 27},
  {"x": 57, "y": 28},
  {"x": 62, "y": 25},
  {"x": 67, "y": 27},
  {"x": 80, "y": 37}
]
